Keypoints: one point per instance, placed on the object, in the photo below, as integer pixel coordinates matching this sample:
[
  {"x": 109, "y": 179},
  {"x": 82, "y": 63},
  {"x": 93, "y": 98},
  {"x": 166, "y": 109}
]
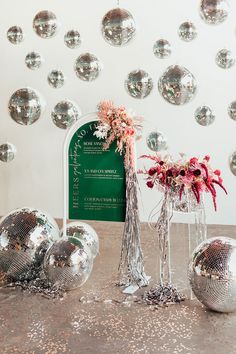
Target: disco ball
[
  {"x": 72, "y": 39},
  {"x": 232, "y": 110},
  {"x": 156, "y": 141},
  {"x": 25, "y": 235},
  {"x": 214, "y": 11},
  {"x": 204, "y": 115},
  {"x": 15, "y": 35},
  {"x": 232, "y": 163},
  {"x": 212, "y": 273},
  {"x": 139, "y": 84},
  {"x": 84, "y": 232},
  {"x": 56, "y": 78},
  {"x": 162, "y": 48},
  {"x": 45, "y": 24},
  {"x": 25, "y": 106},
  {"x": 118, "y": 27},
  {"x": 187, "y": 31},
  {"x": 7, "y": 152},
  {"x": 225, "y": 59},
  {"x": 177, "y": 85},
  {"x": 87, "y": 67},
  {"x": 68, "y": 263},
  {"x": 65, "y": 114},
  {"x": 33, "y": 60}
]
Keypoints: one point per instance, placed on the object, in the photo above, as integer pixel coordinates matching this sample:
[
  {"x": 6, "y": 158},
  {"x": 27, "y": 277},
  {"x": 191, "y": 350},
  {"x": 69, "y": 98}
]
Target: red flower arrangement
[{"x": 194, "y": 175}]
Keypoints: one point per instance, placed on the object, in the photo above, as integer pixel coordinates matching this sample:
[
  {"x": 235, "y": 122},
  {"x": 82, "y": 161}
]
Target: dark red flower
[
  {"x": 152, "y": 171},
  {"x": 169, "y": 173},
  {"x": 197, "y": 172},
  {"x": 150, "y": 184},
  {"x": 161, "y": 163},
  {"x": 182, "y": 173}
]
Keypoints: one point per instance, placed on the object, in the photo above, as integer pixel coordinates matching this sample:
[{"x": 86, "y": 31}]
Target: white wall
[{"x": 35, "y": 176}]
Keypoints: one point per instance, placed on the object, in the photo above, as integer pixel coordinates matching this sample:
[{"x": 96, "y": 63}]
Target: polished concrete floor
[{"x": 98, "y": 318}]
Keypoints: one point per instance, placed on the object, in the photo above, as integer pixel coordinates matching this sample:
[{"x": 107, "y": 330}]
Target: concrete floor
[{"x": 98, "y": 318}]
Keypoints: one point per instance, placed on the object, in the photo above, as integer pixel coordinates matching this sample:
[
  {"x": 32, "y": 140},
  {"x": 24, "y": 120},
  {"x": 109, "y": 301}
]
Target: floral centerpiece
[
  {"x": 118, "y": 125},
  {"x": 194, "y": 175}
]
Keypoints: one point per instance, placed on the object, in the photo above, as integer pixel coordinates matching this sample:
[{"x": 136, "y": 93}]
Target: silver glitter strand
[{"x": 131, "y": 261}]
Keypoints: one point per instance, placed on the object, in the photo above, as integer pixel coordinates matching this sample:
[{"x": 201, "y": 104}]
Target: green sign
[{"x": 96, "y": 178}]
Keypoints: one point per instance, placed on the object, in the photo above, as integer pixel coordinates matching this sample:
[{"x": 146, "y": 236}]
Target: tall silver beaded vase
[{"x": 131, "y": 265}]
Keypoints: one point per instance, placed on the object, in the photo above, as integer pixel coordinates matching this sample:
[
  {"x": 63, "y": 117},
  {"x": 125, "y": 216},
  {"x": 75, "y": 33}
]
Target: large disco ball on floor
[
  {"x": 25, "y": 236},
  {"x": 86, "y": 233},
  {"x": 212, "y": 274},
  {"x": 68, "y": 263}
]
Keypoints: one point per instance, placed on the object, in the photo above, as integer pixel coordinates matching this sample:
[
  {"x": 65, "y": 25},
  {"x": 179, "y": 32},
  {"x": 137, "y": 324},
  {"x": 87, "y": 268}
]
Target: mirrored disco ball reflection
[
  {"x": 45, "y": 24},
  {"x": 25, "y": 235},
  {"x": 87, "y": 67},
  {"x": 212, "y": 273},
  {"x": 225, "y": 59},
  {"x": 72, "y": 39},
  {"x": 84, "y": 232},
  {"x": 232, "y": 163},
  {"x": 33, "y": 60},
  {"x": 7, "y": 152},
  {"x": 177, "y": 85},
  {"x": 118, "y": 27},
  {"x": 214, "y": 11},
  {"x": 15, "y": 35},
  {"x": 25, "y": 106},
  {"x": 162, "y": 48},
  {"x": 139, "y": 84},
  {"x": 187, "y": 31},
  {"x": 204, "y": 116},
  {"x": 65, "y": 114},
  {"x": 68, "y": 263},
  {"x": 232, "y": 110},
  {"x": 156, "y": 141},
  {"x": 56, "y": 78}
]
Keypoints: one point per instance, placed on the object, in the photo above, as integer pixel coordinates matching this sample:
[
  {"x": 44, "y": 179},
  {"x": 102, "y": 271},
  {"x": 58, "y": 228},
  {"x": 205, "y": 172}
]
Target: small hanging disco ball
[
  {"x": 139, "y": 84},
  {"x": 156, "y": 141},
  {"x": 232, "y": 110},
  {"x": 45, "y": 24},
  {"x": 212, "y": 273},
  {"x": 65, "y": 114},
  {"x": 56, "y": 78},
  {"x": 177, "y": 85},
  {"x": 118, "y": 27},
  {"x": 84, "y": 232},
  {"x": 214, "y": 12},
  {"x": 7, "y": 152},
  {"x": 25, "y": 106},
  {"x": 33, "y": 60},
  {"x": 68, "y": 264},
  {"x": 72, "y": 39},
  {"x": 25, "y": 235},
  {"x": 15, "y": 35},
  {"x": 162, "y": 49},
  {"x": 204, "y": 116},
  {"x": 87, "y": 67}
]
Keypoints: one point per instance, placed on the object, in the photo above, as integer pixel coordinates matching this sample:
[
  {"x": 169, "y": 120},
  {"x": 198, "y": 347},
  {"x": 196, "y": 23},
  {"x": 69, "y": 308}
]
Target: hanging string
[{"x": 118, "y": 3}]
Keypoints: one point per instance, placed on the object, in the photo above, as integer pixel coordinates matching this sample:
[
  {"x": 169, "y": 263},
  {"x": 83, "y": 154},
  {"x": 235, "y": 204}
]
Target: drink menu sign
[{"x": 96, "y": 178}]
